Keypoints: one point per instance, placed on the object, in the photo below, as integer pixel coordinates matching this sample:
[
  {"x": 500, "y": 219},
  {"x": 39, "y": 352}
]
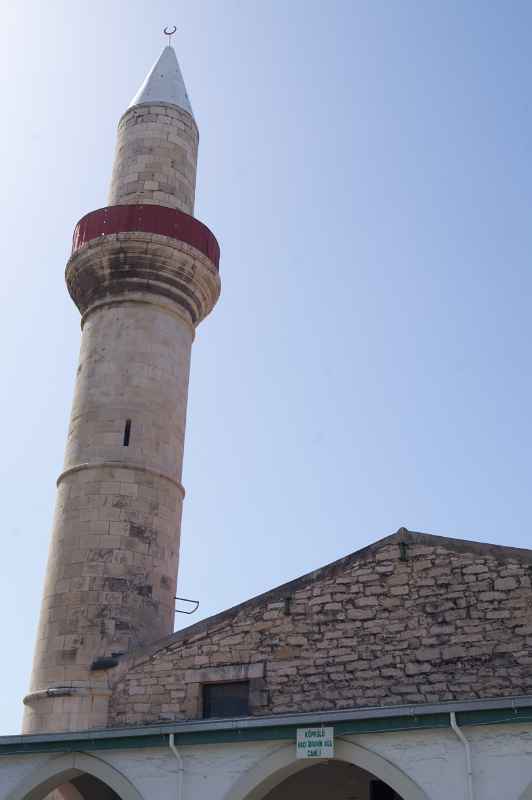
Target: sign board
[{"x": 315, "y": 743}]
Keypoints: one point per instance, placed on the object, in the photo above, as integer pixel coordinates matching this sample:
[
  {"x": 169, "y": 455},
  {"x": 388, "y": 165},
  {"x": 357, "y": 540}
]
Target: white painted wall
[{"x": 433, "y": 762}]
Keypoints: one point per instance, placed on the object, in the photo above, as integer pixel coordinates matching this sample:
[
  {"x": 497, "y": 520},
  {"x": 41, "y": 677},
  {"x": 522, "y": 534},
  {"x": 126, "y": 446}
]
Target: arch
[
  {"x": 57, "y": 771},
  {"x": 271, "y": 771}
]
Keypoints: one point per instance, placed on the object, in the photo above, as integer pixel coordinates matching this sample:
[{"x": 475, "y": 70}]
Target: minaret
[{"x": 143, "y": 273}]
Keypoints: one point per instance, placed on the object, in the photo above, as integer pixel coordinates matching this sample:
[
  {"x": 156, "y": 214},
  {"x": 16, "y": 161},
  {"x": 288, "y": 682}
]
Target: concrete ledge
[{"x": 378, "y": 719}]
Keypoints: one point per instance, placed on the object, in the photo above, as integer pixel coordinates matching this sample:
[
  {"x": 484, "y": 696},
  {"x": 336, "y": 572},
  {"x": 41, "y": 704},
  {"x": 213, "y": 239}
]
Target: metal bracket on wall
[{"x": 195, "y": 603}]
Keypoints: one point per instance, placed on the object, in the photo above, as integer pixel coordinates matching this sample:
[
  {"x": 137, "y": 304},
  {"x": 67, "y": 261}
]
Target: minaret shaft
[
  {"x": 143, "y": 275},
  {"x": 156, "y": 155}
]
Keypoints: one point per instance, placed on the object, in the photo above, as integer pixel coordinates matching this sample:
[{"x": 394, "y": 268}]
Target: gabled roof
[
  {"x": 404, "y": 536},
  {"x": 164, "y": 84}
]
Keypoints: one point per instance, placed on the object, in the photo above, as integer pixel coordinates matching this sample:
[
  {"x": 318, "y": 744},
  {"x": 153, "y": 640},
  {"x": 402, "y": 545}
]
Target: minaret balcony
[
  {"x": 144, "y": 253},
  {"x": 148, "y": 219}
]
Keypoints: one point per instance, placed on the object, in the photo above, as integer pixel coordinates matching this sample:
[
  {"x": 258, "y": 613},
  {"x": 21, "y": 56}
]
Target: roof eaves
[{"x": 377, "y": 719}]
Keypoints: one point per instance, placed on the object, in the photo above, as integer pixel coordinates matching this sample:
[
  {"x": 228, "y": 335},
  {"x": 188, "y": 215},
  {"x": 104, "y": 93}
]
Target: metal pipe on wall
[
  {"x": 458, "y": 731},
  {"x": 180, "y": 769}
]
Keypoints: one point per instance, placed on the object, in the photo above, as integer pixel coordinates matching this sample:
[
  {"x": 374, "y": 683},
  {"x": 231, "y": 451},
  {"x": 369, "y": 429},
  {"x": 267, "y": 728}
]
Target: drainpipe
[
  {"x": 456, "y": 728},
  {"x": 180, "y": 769}
]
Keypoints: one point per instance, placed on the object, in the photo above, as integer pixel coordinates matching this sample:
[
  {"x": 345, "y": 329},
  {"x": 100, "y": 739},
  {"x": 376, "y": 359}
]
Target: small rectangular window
[
  {"x": 226, "y": 699},
  {"x": 127, "y": 432}
]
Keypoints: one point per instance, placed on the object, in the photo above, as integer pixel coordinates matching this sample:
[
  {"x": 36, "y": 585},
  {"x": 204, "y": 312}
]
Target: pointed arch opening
[
  {"x": 75, "y": 777},
  {"x": 354, "y": 772}
]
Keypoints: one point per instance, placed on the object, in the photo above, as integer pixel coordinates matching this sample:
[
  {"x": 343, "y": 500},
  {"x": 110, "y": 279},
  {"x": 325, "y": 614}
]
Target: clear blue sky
[{"x": 366, "y": 167}]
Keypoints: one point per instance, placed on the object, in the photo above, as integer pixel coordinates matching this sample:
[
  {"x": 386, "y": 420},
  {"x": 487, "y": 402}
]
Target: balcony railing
[{"x": 147, "y": 219}]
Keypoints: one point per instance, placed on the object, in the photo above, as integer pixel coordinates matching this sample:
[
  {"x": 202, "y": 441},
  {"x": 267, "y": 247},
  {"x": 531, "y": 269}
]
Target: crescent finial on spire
[{"x": 169, "y": 32}]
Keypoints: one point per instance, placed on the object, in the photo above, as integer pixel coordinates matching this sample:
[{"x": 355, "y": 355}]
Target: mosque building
[{"x": 400, "y": 672}]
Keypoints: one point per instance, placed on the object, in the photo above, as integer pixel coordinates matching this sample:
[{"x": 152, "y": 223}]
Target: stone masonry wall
[
  {"x": 451, "y": 621},
  {"x": 156, "y": 155}
]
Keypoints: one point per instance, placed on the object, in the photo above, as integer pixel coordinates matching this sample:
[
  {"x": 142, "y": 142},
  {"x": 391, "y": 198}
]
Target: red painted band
[{"x": 148, "y": 219}]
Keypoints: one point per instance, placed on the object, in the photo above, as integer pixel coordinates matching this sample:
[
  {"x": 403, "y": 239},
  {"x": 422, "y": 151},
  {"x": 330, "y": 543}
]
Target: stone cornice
[{"x": 151, "y": 267}]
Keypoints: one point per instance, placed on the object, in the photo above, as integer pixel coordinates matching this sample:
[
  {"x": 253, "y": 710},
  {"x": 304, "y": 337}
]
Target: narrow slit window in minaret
[{"x": 127, "y": 432}]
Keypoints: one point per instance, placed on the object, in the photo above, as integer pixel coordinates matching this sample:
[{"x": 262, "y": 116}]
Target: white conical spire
[{"x": 164, "y": 83}]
